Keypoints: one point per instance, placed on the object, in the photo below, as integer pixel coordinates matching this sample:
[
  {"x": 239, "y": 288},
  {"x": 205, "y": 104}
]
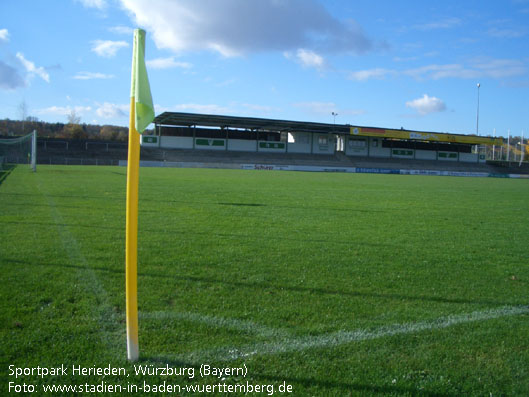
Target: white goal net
[{"x": 20, "y": 150}]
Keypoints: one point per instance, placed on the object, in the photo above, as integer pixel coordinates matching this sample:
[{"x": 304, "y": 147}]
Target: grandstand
[
  {"x": 249, "y": 134},
  {"x": 199, "y": 140},
  {"x": 227, "y": 141}
]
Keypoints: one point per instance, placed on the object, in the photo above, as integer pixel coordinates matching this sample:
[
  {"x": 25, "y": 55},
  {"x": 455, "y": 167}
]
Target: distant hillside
[{"x": 62, "y": 130}]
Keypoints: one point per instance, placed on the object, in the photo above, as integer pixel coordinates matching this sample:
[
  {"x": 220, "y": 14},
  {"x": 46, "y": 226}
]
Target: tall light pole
[
  {"x": 493, "y": 146},
  {"x": 338, "y": 143},
  {"x": 508, "y": 145},
  {"x": 522, "y": 151},
  {"x": 477, "y": 115}
]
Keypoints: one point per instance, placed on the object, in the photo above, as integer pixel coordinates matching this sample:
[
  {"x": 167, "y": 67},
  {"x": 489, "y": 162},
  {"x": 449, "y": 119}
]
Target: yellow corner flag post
[{"x": 141, "y": 115}]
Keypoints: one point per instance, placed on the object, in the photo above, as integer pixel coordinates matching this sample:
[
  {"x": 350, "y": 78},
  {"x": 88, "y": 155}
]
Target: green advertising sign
[{"x": 150, "y": 139}]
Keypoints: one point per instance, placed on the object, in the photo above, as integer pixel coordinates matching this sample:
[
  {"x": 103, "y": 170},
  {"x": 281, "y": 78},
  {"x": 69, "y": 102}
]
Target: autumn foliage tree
[
  {"x": 108, "y": 133},
  {"x": 74, "y": 130}
]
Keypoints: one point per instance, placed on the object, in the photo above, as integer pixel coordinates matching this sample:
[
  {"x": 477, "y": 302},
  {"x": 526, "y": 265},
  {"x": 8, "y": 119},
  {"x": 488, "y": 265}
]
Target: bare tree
[
  {"x": 73, "y": 130},
  {"x": 73, "y": 118}
]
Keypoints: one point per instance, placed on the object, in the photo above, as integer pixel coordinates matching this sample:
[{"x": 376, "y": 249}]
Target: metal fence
[{"x": 63, "y": 161}]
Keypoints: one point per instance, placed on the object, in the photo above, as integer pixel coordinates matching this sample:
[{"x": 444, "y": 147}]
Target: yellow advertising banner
[{"x": 424, "y": 136}]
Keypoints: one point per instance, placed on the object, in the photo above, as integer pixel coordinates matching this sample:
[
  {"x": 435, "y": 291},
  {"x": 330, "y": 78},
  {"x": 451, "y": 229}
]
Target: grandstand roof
[
  {"x": 260, "y": 124},
  {"x": 250, "y": 123}
]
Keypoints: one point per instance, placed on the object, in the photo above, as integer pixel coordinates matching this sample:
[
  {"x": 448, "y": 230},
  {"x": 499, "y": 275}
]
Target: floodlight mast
[
  {"x": 522, "y": 151},
  {"x": 338, "y": 144},
  {"x": 508, "y": 145},
  {"x": 477, "y": 114}
]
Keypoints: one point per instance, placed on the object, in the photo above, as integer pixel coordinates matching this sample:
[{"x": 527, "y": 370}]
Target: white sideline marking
[
  {"x": 339, "y": 338},
  {"x": 220, "y": 322},
  {"x": 102, "y": 310}
]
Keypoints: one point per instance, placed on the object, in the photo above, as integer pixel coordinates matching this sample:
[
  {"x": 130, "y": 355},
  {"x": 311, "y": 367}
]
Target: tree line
[{"x": 72, "y": 129}]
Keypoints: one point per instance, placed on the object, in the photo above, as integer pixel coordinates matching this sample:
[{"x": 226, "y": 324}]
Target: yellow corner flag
[
  {"x": 140, "y": 89},
  {"x": 141, "y": 115}
]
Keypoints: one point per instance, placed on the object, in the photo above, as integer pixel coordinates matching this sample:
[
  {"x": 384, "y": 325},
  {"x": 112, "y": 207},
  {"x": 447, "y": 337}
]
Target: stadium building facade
[{"x": 248, "y": 134}]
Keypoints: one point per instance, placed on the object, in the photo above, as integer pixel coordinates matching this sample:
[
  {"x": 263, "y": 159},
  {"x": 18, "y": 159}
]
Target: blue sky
[{"x": 411, "y": 64}]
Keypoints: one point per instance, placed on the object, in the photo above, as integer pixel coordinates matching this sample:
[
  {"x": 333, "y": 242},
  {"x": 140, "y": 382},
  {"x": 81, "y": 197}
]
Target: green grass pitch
[{"x": 336, "y": 284}]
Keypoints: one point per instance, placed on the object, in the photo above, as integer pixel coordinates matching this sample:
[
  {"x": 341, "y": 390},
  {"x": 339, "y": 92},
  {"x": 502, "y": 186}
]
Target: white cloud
[
  {"x": 107, "y": 48},
  {"x": 235, "y": 27},
  {"x": 445, "y": 23},
  {"x": 327, "y": 108},
  {"x": 363, "y": 75},
  {"x": 112, "y": 110},
  {"x": 225, "y": 83},
  {"x": 99, "y": 4},
  {"x": 310, "y": 58},
  {"x": 427, "y": 105},
  {"x": 32, "y": 69},
  {"x": 318, "y": 107},
  {"x": 64, "y": 110},
  {"x": 259, "y": 108},
  {"x": 476, "y": 68},
  {"x": 167, "y": 63},
  {"x": 4, "y": 35},
  {"x": 92, "y": 75},
  {"x": 197, "y": 108},
  {"x": 506, "y": 33},
  {"x": 499, "y": 68},
  {"x": 437, "y": 72},
  {"x": 122, "y": 30},
  {"x": 405, "y": 59},
  {"x": 307, "y": 58},
  {"x": 234, "y": 108}
]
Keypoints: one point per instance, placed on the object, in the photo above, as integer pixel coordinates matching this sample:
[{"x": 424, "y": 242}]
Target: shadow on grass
[
  {"x": 244, "y": 204},
  {"x": 267, "y": 286},
  {"x": 326, "y": 386},
  {"x": 5, "y": 171},
  {"x": 144, "y": 200},
  {"x": 209, "y": 235}
]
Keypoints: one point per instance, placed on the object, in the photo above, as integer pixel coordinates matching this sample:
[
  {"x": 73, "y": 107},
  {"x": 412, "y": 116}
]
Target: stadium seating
[{"x": 109, "y": 153}]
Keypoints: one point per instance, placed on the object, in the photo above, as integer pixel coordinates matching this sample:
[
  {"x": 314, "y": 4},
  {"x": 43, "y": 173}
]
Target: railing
[{"x": 63, "y": 161}]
